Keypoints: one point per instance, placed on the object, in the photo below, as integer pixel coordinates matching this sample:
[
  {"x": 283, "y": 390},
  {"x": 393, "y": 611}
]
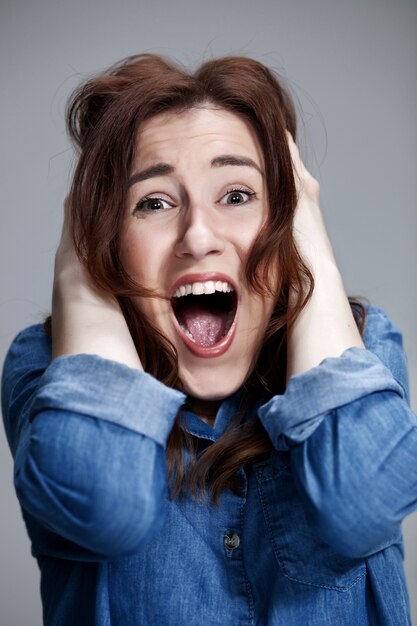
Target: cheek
[
  {"x": 247, "y": 230},
  {"x": 260, "y": 311},
  {"x": 263, "y": 306}
]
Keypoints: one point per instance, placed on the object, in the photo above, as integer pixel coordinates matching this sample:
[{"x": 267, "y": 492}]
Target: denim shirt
[{"x": 313, "y": 538}]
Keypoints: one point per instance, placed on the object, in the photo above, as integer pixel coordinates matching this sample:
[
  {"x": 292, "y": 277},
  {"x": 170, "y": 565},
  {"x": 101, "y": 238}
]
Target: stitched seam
[
  {"x": 247, "y": 583},
  {"x": 403, "y": 601},
  {"x": 339, "y": 588}
]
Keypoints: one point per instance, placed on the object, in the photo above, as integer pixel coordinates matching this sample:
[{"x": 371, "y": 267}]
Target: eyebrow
[
  {"x": 163, "y": 169},
  {"x": 231, "y": 159},
  {"x": 160, "y": 169}
]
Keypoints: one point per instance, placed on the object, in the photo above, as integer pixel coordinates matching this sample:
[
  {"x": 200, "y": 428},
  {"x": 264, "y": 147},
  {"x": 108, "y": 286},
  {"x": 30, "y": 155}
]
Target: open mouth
[{"x": 205, "y": 312}]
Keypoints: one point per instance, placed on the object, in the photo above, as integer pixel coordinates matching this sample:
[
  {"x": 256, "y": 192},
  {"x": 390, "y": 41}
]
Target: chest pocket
[{"x": 301, "y": 555}]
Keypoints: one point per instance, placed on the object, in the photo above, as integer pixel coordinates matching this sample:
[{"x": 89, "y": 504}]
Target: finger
[
  {"x": 305, "y": 182},
  {"x": 296, "y": 157},
  {"x": 298, "y": 166},
  {"x": 66, "y": 242}
]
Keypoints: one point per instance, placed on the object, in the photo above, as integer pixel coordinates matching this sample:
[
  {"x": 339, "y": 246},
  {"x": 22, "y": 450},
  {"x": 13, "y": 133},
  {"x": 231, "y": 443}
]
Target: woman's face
[{"x": 197, "y": 200}]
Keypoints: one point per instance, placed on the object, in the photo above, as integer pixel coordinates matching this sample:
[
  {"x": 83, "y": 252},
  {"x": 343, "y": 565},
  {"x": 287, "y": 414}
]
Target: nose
[{"x": 199, "y": 234}]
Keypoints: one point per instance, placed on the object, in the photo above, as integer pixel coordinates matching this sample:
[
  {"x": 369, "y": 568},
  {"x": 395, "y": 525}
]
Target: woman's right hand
[{"x": 86, "y": 320}]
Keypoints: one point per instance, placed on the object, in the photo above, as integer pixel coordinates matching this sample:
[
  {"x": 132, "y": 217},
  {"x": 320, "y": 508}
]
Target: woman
[{"x": 212, "y": 434}]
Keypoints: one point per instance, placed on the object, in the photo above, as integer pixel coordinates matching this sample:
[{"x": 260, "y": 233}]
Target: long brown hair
[{"x": 103, "y": 119}]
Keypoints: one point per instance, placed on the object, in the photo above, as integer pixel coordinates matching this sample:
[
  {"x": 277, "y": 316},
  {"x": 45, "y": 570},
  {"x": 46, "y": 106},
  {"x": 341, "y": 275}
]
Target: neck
[{"x": 205, "y": 409}]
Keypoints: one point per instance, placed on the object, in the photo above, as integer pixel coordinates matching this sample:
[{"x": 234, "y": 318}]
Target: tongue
[{"x": 207, "y": 326}]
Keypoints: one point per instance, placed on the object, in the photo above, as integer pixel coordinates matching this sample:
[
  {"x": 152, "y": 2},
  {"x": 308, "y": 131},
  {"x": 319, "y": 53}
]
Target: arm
[
  {"x": 326, "y": 326},
  {"x": 87, "y": 432},
  {"x": 344, "y": 416},
  {"x": 84, "y": 320}
]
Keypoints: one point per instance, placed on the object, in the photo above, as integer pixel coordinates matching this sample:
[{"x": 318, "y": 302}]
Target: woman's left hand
[
  {"x": 326, "y": 326},
  {"x": 309, "y": 230}
]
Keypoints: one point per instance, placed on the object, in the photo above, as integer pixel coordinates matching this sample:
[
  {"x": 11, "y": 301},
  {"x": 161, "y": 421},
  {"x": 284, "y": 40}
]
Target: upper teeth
[{"x": 198, "y": 289}]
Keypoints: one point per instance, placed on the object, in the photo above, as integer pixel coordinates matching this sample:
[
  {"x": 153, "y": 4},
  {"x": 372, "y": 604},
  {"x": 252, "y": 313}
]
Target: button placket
[{"x": 231, "y": 541}]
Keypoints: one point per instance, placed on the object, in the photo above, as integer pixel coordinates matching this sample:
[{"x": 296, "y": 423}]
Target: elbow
[
  {"x": 107, "y": 520},
  {"x": 93, "y": 484},
  {"x": 117, "y": 526},
  {"x": 350, "y": 506},
  {"x": 123, "y": 517},
  {"x": 352, "y": 528}
]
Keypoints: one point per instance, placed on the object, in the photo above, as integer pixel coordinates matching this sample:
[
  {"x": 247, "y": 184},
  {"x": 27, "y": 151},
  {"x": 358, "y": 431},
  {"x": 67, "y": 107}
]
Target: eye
[
  {"x": 153, "y": 204},
  {"x": 237, "y": 196}
]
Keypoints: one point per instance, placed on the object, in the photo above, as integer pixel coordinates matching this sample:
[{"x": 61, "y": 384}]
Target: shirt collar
[{"x": 225, "y": 414}]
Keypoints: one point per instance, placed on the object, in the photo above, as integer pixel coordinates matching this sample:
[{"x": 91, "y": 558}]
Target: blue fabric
[{"x": 313, "y": 538}]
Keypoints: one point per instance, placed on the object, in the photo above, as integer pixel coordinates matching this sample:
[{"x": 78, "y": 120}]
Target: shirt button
[{"x": 232, "y": 542}]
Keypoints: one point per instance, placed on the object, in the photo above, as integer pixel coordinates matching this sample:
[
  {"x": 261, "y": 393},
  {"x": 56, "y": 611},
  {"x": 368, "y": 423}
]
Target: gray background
[{"x": 352, "y": 68}]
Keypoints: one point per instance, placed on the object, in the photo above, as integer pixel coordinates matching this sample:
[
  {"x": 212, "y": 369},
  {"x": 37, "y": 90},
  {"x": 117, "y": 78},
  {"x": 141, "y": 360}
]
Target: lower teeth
[{"x": 189, "y": 335}]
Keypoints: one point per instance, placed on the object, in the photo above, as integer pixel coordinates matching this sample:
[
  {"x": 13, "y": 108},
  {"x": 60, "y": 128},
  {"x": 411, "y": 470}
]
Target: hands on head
[{"x": 85, "y": 320}]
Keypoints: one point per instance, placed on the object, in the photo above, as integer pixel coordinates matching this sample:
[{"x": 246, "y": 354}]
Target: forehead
[{"x": 203, "y": 130}]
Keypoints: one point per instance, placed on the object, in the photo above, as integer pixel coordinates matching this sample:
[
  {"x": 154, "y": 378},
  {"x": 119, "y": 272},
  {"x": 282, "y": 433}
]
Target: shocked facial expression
[{"x": 197, "y": 200}]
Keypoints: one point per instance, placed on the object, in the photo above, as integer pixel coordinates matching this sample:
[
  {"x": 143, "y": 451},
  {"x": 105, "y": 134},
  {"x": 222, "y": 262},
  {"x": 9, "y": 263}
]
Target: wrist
[
  {"x": 326, "y": 326},
  {"x": 72, "y": 285}
]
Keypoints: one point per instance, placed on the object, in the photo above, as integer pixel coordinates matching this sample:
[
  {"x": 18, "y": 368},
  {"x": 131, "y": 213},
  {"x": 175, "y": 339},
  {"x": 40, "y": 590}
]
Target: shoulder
[
  {"x": 382, "y": 337},
  {"x": 378, "y": 325},
  {"x": 28, "y": 357},
  {"x": 31, "y": 347},
  {"x": 33, "y": 334}
]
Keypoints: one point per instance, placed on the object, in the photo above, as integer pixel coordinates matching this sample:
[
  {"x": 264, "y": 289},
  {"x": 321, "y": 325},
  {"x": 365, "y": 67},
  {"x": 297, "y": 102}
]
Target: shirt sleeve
[
  {"x": 88, "y": 437},
  {"x": 352, "y": 439}
]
